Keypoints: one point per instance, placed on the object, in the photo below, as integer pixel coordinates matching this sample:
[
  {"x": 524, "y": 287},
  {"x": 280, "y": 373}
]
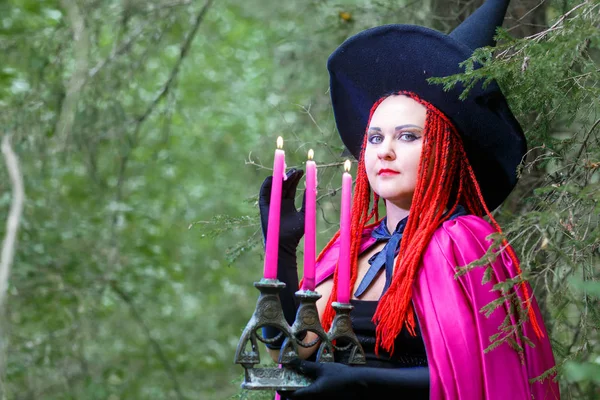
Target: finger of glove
[
  {"x": 264, "y": 195},
  {"x": 313, "y": 391},
  {"x": 296, "y": 394},
  {"x": 303, "y": 209},
  {"x": 291, "y": 183},
  {"x": 308, "y": 368}
]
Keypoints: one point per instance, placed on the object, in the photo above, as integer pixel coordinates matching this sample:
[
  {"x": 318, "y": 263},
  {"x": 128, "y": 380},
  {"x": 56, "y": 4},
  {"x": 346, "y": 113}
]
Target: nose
[{"x": 385, "y": 150}]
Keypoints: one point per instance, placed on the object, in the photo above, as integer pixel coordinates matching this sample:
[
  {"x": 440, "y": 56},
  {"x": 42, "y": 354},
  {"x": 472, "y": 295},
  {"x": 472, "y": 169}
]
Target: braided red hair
[{"x": 451, "y": 182}]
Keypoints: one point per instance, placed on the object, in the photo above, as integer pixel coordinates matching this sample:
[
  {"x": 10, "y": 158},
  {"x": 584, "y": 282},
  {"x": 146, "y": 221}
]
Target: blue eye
[
  {"x": 408, "y": 137},
  {"x": 375, "y": 139}
]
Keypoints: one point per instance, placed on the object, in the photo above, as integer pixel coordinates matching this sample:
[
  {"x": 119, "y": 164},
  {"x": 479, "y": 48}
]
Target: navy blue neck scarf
[{"x": 391, "y": 249}]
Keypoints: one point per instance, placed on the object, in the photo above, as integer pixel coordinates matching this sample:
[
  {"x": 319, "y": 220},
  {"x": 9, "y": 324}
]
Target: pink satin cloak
[{"x": 455, "y": 332}]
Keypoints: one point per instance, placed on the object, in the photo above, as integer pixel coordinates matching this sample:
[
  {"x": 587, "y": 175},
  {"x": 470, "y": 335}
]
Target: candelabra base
[
  {"x": 274, "y": 379},
  {"x": 268, "y": 312}
]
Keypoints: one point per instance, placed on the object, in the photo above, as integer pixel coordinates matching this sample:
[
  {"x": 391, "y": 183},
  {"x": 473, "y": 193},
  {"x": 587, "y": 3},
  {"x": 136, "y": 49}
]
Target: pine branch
[{"x": 583, "y": 146}]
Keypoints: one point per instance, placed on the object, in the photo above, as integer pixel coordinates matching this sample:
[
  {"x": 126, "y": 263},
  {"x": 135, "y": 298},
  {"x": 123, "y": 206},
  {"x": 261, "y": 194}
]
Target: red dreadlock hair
[{"x": 451, "y": 182}]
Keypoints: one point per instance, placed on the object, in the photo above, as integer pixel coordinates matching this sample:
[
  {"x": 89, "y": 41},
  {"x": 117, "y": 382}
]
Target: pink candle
[
  {"x": 343, "y": 288},
  {"x": 310, "y": 224},
  {"x": 272, "y": 245}
]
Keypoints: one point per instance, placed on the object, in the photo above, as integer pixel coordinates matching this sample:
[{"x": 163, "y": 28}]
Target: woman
[{"x": 439, "y": 164}]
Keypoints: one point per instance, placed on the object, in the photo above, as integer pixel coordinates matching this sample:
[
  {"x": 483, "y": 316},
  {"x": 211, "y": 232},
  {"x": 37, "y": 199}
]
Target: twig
[
  {"x": 307, "y": 111},
  {"x": 158, "y": 7},
  {"x": 251, "y": 162},
  {"x": 583, "y": 145},
  {"x": 530, "y": 11},
  {"x": 118, "y": 50},
  {"x": 14, "y": 215},
  {"x": 185, "y": 47},
  {"x": 505, "y": 54},
  {"x": 335, "y": 164},
  {"x": 538, "y": 36},
  {"x": 155, "y": 345},
  {"x": 579, "y": 76},
  {"x": 330, "y": 193},
  {"x": 164, "y": 91},
  {"x": 81, "y": 45}
]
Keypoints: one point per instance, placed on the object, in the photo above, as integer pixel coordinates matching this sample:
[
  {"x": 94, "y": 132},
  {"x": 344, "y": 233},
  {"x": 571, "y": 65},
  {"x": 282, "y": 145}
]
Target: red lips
[{"x": 386, "y": 171}]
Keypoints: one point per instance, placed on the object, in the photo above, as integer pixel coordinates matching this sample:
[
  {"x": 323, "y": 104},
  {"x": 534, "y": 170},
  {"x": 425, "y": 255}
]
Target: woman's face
[{"x": 394, "y": 142}]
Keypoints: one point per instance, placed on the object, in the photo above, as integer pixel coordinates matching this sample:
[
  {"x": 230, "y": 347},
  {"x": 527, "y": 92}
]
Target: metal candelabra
[{"x": 340, "y": 340}]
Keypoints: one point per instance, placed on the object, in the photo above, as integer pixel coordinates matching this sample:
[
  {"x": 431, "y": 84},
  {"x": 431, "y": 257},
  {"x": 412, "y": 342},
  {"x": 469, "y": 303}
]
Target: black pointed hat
[{"x": 387, "y": 59}]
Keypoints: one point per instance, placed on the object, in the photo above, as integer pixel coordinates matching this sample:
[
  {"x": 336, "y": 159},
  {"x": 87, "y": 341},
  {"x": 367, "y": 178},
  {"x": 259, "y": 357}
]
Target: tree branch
[
  {"x": 118, "y": 50},
  {"x": 9, "y": 243},
  {"x": 540, "y": 35},
  {"x": 152, "y": 8},
  {"x": 153, "y": 342},
  {"x": 161, "y": 95},
  {"x": 185, "y": 47},
  {"x": 14, "y": 215},
  {"x": 64, "y": 125}
]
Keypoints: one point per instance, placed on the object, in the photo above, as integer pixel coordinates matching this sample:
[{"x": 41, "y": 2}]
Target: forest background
[{"x": 143, "y": 130}]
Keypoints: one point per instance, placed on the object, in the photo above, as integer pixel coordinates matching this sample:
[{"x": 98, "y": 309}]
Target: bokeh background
[{"x": 143, "y": 130}]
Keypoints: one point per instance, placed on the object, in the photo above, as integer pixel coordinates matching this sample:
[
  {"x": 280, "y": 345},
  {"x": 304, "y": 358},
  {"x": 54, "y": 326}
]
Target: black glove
[
  {"x": 291, "y": 231},
  {"x": 292, "y": 221},
  {"x": 339, "y": 381}
]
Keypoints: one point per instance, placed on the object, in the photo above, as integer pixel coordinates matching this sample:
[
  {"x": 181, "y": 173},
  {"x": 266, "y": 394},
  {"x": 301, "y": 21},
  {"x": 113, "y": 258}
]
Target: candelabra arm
[
  {"x": 307, "y": 320},
  {"x": 268, "y": 312},
  {"x": 347, "y": 348}
]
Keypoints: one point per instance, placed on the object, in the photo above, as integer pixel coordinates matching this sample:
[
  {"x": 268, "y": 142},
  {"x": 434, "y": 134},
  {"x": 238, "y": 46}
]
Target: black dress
[{"x": 409, "y": 351}]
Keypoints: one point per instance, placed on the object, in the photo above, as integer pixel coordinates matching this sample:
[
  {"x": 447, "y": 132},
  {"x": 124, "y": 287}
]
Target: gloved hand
[
  {"x": 290, "y": 232},
  {"x": 340, "y": 381},
  {"x": 292, "y": 221}
]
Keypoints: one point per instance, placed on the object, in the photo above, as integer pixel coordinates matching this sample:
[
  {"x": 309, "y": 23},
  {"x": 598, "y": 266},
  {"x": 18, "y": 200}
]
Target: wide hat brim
[{"x": 391, "y": 58}]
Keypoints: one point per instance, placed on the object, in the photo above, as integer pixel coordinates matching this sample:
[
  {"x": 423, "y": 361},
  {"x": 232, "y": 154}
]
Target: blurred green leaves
[{"x": 140, "y": 238}]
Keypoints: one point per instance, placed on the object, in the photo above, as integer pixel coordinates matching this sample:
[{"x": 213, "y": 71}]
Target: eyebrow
[{"x": 400, "y": 127}]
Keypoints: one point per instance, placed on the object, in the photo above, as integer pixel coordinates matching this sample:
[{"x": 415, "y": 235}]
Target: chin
[
  {"x": 392, "y": 192},
  {"x": 400, "y": 198}
]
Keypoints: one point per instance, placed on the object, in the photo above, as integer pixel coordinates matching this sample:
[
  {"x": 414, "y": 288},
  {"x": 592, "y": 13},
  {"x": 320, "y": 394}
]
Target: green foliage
[
  {"x": 583, "y": 372},
  {"x": 551, "y": 79},
  {"x": 143, "y": 152}
]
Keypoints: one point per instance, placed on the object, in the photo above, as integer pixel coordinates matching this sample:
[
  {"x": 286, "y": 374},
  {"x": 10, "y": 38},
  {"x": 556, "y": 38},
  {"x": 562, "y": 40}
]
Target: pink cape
[{"x": 455, "y": 332}]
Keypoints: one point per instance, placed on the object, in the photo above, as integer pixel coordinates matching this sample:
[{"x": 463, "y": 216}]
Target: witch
[{"x": 440, "y": 165}]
